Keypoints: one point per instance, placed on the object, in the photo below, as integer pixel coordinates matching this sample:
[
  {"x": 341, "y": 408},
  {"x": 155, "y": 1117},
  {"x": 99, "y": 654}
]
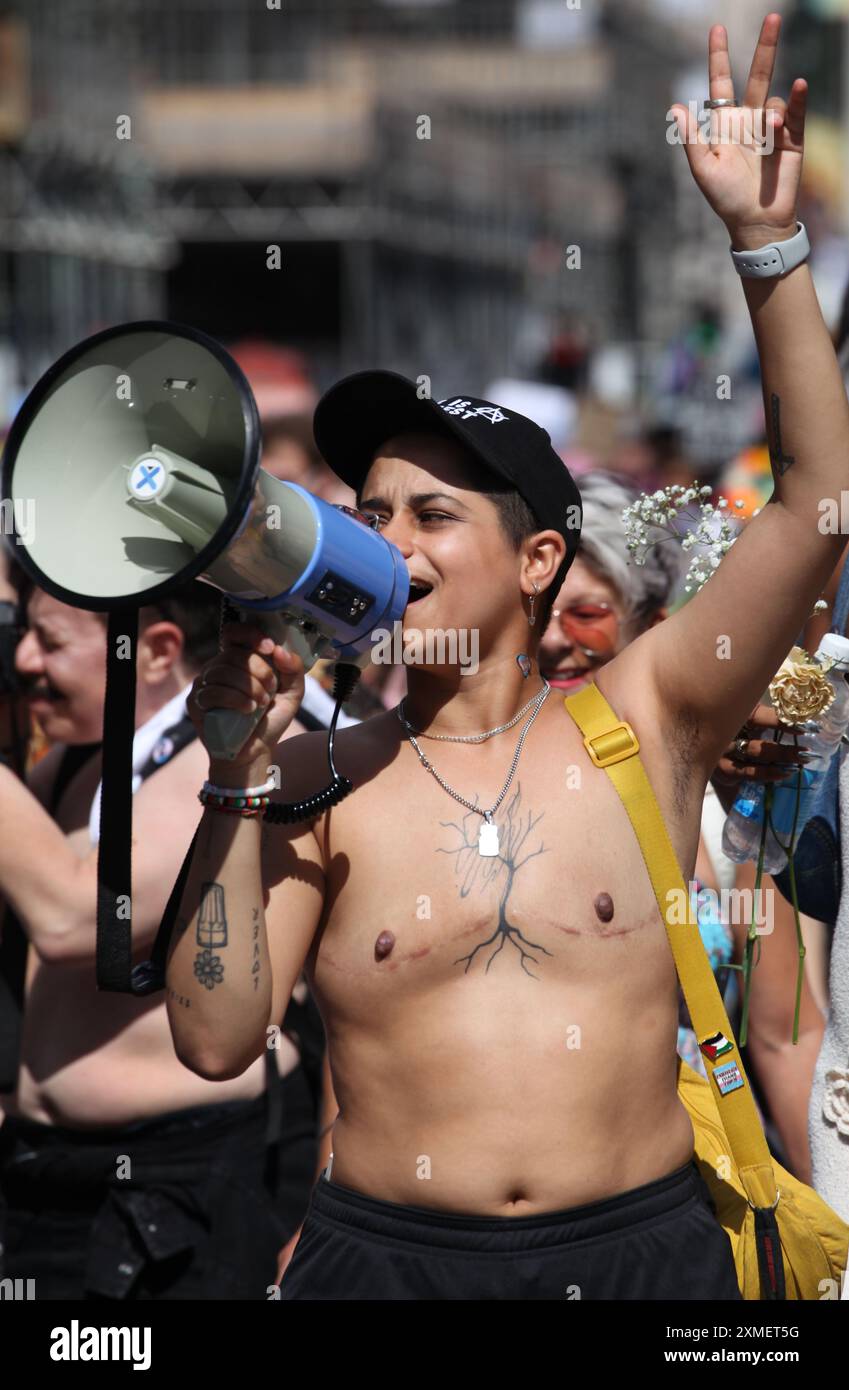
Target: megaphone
[
  {"x": 137, "y": 460},
  {"x": 137, "y": 455}
]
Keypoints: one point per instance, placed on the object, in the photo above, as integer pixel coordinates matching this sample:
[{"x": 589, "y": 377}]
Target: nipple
[
  {"x": 604, "y": 907},
  {"x": 383, "y": 945}
]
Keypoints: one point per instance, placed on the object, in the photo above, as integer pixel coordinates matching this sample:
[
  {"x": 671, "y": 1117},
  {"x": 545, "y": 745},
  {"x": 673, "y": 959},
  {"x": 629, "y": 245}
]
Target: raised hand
[{"x": 754, "y": 192}]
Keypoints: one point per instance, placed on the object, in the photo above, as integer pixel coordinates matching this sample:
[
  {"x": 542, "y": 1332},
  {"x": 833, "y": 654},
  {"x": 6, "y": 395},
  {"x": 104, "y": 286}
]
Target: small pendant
[{"x": 488, "y": 839}]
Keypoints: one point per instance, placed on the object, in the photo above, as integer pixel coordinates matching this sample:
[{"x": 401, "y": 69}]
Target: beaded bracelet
[
  {"x": 244, "y": 805},
  {"x": 230, "y": 792}
]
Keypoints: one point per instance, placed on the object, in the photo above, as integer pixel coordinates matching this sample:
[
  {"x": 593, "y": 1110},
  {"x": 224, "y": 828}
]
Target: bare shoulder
[
  {"x": 302, "y": 761},
  {"x": 629, "y": 683},
  {"x": 670, "y": 740},
  {"x": 360, "y": 752},
  {"x": 182, "y": 775}
]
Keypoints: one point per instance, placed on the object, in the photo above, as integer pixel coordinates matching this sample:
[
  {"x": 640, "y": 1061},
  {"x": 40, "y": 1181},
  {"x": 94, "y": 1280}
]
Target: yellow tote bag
[{"x": 786, "y": 1241}]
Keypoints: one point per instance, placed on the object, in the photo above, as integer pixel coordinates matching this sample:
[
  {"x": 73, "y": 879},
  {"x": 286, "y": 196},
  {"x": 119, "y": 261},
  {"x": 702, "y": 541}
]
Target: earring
[{"x": 532, "y": 618}]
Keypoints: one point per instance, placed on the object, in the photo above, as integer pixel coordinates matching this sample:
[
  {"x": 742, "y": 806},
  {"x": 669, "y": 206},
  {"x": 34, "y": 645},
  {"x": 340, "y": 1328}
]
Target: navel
[
  {"x": 604, "y": 907},
  {"x": 383, "y": 945}
]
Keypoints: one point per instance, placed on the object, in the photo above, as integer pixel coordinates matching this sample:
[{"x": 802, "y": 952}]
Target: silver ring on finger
[
  {"x": 741, "y": 747},
  {"x": 716, "y": 103}
]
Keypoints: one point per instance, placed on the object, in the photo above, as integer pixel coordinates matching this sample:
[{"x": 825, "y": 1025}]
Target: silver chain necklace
[
  {"x": 466, "y": 738},
  {"x": 488, "y": 845}
]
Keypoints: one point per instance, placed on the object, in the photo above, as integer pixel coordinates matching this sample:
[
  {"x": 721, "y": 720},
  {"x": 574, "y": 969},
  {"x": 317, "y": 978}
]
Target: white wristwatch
[{"x": 776, "y": 258}]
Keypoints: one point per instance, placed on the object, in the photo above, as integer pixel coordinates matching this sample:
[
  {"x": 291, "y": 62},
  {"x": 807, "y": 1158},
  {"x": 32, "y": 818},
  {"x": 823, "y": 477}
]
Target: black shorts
[
  {"x": 658, "y": 1241},
  {"x": 176, "y": 1207}
]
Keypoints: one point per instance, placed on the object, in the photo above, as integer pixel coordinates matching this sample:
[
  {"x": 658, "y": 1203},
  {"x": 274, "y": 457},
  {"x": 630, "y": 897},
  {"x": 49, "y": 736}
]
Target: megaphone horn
[{"x": 139, "y": 451}]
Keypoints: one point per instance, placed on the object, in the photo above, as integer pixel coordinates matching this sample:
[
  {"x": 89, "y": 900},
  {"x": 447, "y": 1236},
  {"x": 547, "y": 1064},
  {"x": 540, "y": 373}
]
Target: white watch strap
[{"x": 776, "y": 258}]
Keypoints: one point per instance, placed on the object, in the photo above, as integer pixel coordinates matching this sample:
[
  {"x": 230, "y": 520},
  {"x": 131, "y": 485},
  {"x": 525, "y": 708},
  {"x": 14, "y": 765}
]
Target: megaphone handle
[{"x": 226, "y": 731}]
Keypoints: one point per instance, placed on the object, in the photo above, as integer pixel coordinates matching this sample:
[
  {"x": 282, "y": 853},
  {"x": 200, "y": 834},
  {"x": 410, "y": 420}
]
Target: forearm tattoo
[
  {"x": 779, "y": 460},
  {"x": 211, "y": 935},
  {"x": 255, "y": 942}
]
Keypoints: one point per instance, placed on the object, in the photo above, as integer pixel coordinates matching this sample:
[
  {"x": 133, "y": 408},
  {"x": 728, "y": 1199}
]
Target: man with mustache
[{"x": 124, "y": 1174}]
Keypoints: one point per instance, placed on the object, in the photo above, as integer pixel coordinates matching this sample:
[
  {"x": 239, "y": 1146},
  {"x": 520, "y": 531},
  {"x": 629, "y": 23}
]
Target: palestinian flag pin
[{"x": 715, "y": 1046}]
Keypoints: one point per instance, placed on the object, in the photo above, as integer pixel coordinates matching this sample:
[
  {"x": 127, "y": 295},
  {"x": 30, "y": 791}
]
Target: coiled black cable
[{"x": 345, "y": 677}]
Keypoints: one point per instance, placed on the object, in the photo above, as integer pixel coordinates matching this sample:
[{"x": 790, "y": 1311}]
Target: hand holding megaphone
[{"x": 254, "y": 685}]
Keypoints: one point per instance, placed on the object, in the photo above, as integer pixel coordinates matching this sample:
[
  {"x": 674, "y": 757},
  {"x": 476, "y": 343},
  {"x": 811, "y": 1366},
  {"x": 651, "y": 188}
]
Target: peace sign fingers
[
  {"x": 750, "y": 167},
  {"x": 719, "y": 65},
  {"x": 763, "y": 62}
]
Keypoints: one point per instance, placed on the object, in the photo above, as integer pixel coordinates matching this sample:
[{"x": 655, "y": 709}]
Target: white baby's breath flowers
[{"x": 673, "y": 511}]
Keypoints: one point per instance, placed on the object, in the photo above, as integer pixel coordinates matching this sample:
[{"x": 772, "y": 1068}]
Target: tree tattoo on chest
[{"x": 474, "y": 870}]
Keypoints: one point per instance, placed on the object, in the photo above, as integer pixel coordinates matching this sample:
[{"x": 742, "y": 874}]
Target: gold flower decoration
[{"x": 800, "y": 690}]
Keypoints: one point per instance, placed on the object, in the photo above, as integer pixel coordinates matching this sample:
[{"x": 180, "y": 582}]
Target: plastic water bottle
[{"x": 741, "y": 835}]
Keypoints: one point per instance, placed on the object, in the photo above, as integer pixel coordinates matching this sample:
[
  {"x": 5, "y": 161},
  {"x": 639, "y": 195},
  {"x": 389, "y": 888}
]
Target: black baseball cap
[{"x": 358, "y": 414}]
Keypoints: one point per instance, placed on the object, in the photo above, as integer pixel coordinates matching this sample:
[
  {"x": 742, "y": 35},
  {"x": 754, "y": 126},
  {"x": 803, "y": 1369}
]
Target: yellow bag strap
[{"x": 613, "y": 746}]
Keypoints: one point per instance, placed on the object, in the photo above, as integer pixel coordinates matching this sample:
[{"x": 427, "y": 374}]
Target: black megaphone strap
[{"x": 114, "y": 858}]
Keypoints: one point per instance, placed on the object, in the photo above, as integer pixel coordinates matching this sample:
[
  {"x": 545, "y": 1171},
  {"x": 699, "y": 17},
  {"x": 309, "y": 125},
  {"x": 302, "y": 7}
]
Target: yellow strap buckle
[{"x": 613, "y": 745}]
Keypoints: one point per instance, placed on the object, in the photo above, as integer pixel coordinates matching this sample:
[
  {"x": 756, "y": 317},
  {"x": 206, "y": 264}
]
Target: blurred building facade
[
  {"x": 462, "y": 176},
  {"x": 82, "y": 244},
  {"x": 444, "y": 187}
]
